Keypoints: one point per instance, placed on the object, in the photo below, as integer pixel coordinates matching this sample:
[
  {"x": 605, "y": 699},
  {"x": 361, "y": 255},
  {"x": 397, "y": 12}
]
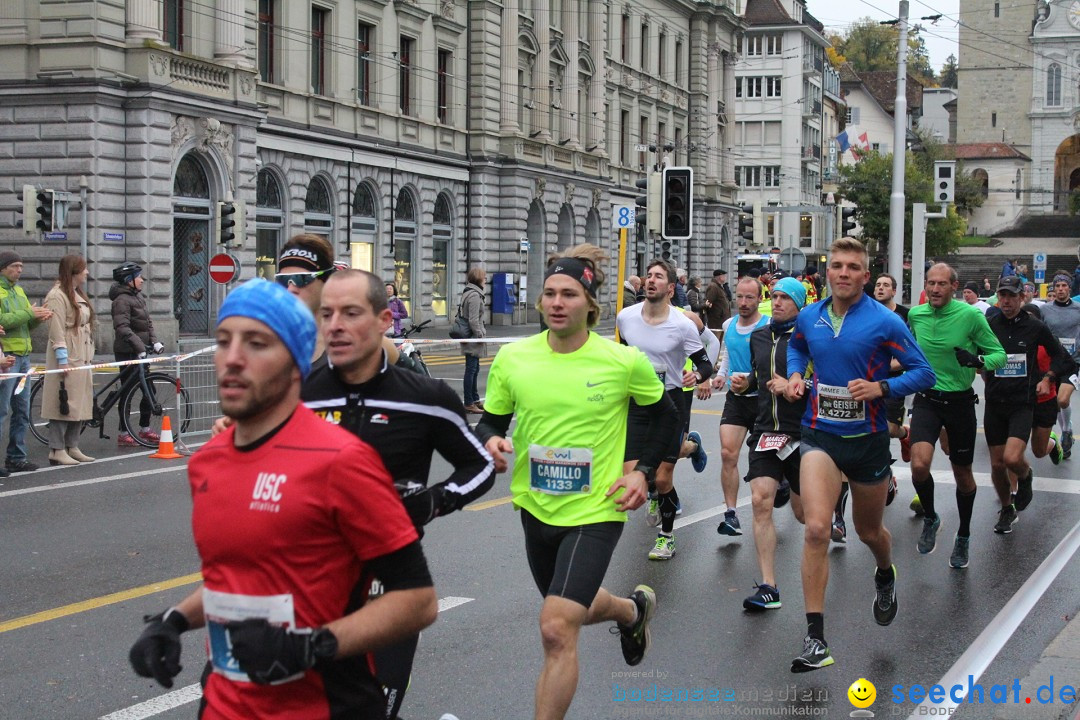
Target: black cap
[
  {"x": 810, "y": 269},
  {"x": 1011, "y": 284},
  {"x": 754, "y": 272},
  {"x": 718, "y": 273}
]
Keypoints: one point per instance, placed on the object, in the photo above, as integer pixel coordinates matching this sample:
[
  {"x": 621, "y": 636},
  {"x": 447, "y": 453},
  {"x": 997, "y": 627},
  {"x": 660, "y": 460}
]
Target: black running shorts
[
  {"x": 955, "y": 412},
  {"x": 637, "y": 427},
  {"x": 740, "y": 410},
  {"x": 864, "y": 459},
  {"x": 894, "y": 410},
  {"x": 569, "y": 562},
  {"x": 1007, "y": 420},
  {"x": 1045, "y": 414},
  {"x": 768, "y": 464}
]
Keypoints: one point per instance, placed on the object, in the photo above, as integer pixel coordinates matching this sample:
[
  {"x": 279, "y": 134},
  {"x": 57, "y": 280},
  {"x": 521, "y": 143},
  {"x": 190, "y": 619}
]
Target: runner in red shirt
[{"x": 288, "y": 512}]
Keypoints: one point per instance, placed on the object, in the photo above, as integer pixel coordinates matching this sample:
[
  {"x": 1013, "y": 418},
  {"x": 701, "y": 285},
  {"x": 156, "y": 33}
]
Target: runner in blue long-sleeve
[{"x": 850, "y": 339}]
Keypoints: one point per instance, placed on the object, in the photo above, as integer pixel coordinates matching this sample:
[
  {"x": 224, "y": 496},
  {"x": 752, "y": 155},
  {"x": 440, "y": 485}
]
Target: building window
[
  {"x": 365, "y": 38},
  {"x": 997, "y": 9},
  {"x": 643, "y": 138},
  {"x": 678, "y": 63},
  {"x": 993, "y": 119},
  {"x": 319, "y": 22},
  {"x": 442, "y": 86},
  {"x": 172, "y": 25},
  {"x": 266, "y": 40},
  {"x": 876, "y": 147},
  {"x": 1053, "y": 85},
  {"x": 661, "y": 50},
  {"x": 644, "y": 45},
  {"x": 191, "y": 233},
  {"x": 1019, "y": 178},
  {"x": 405, "y": 70},
  {"x": 748, "y": 176},
  {"x": 772, "y": 87},
  {"x": 983, "y": 179},
  {"x": 774, "y": 44},
  {"x": 624, "y": 137},
  {"x": 318, "y": 209},
  {"x": 750, "y": 87},
  {"x": 404, "y": 238},
  {"x": 624, "y": 43},
  {"x": 442, "y": 233},
  {"x": 751, "y": 45},
  {"x": 678, "y": 145},
  {"x": 269, "y": 223},
  {"x": 365, "y": 227},
  {"x": 772, "y": 176}
]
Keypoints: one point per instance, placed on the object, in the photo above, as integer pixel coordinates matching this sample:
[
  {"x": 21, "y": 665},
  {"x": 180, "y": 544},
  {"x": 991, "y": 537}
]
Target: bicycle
[
  {"x": 164, "y": 392},
  {"x": 409, "y": 354}
]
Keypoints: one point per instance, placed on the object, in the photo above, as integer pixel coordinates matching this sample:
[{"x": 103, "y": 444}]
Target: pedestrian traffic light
[
  {"x": 226, "y": 231},
  {"x": 677, "y": 211},
  {"x": 847, "y": 221},
  {"x": 45, "y": 211},
  {"x": 29, "y": 204},
  {"x": 651, "y": 198}
]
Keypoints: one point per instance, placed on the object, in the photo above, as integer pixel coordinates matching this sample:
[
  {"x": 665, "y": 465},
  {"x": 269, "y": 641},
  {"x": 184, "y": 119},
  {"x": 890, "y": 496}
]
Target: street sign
[
  {"x": 56, "y": 236},
  {"x": 224, "y": 268},
  {"x": 791, "y": 260},
  {"x": 113, "y": 237},
  {"x": 1040, "y": 277},
  {"x": 1039, "y": 266},
  {"x": 641, "y": 148},
  {"x": 525, "y": 245},
  {"x": 623, "y": 216}
]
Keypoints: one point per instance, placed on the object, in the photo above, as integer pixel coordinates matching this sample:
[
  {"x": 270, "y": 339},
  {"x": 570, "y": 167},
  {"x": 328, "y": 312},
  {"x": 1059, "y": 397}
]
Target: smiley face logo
[{"x": 862, "y": 693}]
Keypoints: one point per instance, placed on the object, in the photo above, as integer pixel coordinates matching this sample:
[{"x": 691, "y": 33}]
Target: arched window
[
  {"x": 1053, "y": 85},
  {"x": 318, "y": 209},
  {"x": 527, "y": 54},
  {"x": 442, "y": 233},
  {"x": 404, "y": 242},
  {"x": 192, "y": 244},
  {"x": 269, "y": 223},
  {"x": 365, "y": 227},
  {"x": 981, "y": 176}
]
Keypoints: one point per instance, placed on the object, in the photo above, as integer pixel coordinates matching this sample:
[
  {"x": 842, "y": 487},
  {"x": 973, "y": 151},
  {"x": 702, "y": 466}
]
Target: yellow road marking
[
  {"x": 707, "y": 412},
  {"x": 488, "y": 504},
  {"x": 94, "y": 603}
]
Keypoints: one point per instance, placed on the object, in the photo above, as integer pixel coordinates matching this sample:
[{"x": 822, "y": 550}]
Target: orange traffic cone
[{"x": 165, "y": 450}]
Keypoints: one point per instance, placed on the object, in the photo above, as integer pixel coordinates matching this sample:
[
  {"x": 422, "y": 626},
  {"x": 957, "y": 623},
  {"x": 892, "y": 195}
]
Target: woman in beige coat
[{"x": 71, "y": 346}]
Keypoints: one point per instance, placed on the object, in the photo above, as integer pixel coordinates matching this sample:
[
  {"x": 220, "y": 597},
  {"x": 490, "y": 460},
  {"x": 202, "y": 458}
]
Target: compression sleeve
[
  {"x": 404, "y": 569},
  {"x": 702, "y": 364},
  {"x": 492, "y": 425},
  {"x": 663, "y": 424},
  {"x": 474, "y": 469}
]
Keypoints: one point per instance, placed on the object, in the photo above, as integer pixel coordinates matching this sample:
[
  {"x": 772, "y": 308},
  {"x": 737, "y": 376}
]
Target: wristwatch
[
  {"x": 885, "y": 392},
  {"x": 324, "y": 644}
]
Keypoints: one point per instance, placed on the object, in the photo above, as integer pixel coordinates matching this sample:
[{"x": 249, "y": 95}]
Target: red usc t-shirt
[{"x": 284, "y": 531}]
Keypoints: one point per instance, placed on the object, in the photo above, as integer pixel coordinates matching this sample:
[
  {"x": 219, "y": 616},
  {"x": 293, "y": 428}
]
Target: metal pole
[
  {"x": 622, "y": 279},
  {"x": 896, "y": 199},
  {"x": 918, "y": 251},
  {"x": 830, "y": 219}
]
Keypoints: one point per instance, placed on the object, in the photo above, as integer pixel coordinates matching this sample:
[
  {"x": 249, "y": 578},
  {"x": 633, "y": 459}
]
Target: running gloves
[
  {"x": 423, "y": 504},
  {"x": 967, "y": 359},
  {"x": 271, "y": 653},
  {"x": 156, "y": 653}
]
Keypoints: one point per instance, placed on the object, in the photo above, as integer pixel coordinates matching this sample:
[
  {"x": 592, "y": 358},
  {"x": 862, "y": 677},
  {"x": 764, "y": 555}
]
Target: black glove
[
  {"x": 271, "y": 653},
  {"x": 967, "y": 359},
  {"x": 156, "y": 653},
  {"x": 423, "y": 504}
]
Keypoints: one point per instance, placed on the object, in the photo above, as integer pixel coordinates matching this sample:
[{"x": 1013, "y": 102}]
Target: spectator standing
[
  {"x": 680, "y": 289},
  {"x": 133, "y": 338},
  {"x": 717, "y": 302},
  {"x": 472, "y": 309},
  {"x": 17, "y": 317},
  {"x": 987, "y": 288},
  {"x": 68, "y": 397},
  {"x": 695, "y": 295},
  {"x": 630, "y": 290},
  {"x": 1008, "y": 268},
  {"x": 398, "y": 311}
]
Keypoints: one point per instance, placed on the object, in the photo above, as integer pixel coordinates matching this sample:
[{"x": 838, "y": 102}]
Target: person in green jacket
[
  {"x": 18, "y": 317},
  {"x": 957, "y": 341}
]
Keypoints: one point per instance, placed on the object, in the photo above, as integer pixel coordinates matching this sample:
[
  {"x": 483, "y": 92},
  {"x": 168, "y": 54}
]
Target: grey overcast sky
[{"x": 940, "y": 39}]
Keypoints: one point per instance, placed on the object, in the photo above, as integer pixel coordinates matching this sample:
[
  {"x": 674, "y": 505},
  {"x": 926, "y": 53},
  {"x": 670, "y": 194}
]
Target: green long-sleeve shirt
[
  {"x": 17, "y": 318},
  {"x": 957, "y": 324}
]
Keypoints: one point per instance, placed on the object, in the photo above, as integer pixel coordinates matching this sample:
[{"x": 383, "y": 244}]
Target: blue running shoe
[{"x": 699, "y": 457}]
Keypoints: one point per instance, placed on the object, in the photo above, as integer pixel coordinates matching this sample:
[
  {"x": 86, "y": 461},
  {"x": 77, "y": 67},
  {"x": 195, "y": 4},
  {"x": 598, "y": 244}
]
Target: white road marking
[
  {"x": 191, "y": 693},
  {"x": 91, "y": 481}
]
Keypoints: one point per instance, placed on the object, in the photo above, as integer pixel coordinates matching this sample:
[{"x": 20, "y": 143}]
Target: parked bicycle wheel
[
  {"x": 143, "y": 414},
  {"x": 39, "y": 426}
]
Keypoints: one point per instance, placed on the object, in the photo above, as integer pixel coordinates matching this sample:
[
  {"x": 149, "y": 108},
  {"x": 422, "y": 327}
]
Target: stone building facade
[{"x": 421, "y": 137}]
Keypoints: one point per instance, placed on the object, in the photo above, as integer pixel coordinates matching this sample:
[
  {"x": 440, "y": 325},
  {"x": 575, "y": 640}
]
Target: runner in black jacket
[{"x": 1011, "y": 393}]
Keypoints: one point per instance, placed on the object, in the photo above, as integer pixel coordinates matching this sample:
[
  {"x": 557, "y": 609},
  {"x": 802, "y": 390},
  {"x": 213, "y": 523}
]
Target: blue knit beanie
[
  {"x": 793, "y": 289},
  {"x": 278, "y": 309}
]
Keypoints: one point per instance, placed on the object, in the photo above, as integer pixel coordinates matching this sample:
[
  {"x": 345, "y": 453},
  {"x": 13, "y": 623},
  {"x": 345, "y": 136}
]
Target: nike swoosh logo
[{"x": 591, "y": 385}]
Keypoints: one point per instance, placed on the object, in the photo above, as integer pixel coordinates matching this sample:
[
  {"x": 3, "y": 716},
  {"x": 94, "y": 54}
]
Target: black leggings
[{"x": 145, "y": 407}]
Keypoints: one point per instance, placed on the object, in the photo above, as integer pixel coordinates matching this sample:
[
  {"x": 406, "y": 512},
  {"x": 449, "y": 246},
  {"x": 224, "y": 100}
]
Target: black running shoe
[
  {"x": 767, "y": 597},
  {"x": 730, "y": 525},
  {"x": 783, "y": 494},
  {"x": 14, "y": 466},
  {"x": 1023, "y": 490},
  {"x": 635, "y": 638},
  {"x": 1006, "y": 519},
  {"x": 892, "y": 491},
  {"x": 885, "y": 599},
  {"x": 815, "y": 656},
  {"x": 928, "y": 538}
]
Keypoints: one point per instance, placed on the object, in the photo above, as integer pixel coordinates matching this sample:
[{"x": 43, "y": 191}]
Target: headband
[
  {"x": 1062, "y": 278},
  {"x": 575, "y": 268},
  {"x": 300, "y": 257}
]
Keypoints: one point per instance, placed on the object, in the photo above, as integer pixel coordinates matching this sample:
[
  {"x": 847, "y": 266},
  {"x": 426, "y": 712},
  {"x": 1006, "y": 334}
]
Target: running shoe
[
  {"x": 959, "y": 557},
  {"x": 885, "y": 599},
  {"x": 928, "y": 538},
  {"x": 1006, "y": 519},
  {"x": 892, "y": 491},
  {"x": 635, "y": 638},
  {"x": 678, "y": 507},
  {"x": 652, "y": 514},
  {"x": 905, "y": 445},
  {"x": 839, "y": 529},
  {"x": 766, "y": 598},
  {"x": 1067, "y": 442},
  {"x": 916, "y": 506},
  {"x": 699, "y": 457},
  {"x": 663, "y": 549},
  {"x": 126, "y": 440},
  {"x": 1057, "y": 454},
  {"x": 815, "y": 656},
  {"x": 149, "y": 435},
  {"x": 730, "y": 525},
  {"x": 783, "y": 494},
  {"x": 1023, "y": 490}
]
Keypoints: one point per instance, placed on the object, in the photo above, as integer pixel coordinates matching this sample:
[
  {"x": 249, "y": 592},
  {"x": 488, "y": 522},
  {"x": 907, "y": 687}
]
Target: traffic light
[
  {"x": 45, "y": 210},
  {"x": 847, "y": 221},
  {"x": 665, "y": 249},
  {"x": 746, "y": 223},
  {"x": 651, "y": 198},
  {"x": 944, "y": 181},
  {"x": 29, "y": 205},
  {"x": 677, "y": 205},
  {"x": 226, "y": 230}
]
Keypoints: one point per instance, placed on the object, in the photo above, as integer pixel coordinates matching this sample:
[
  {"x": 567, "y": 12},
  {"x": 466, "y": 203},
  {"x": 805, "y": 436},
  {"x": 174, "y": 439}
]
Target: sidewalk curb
[{"x": 1060, "y": 661}]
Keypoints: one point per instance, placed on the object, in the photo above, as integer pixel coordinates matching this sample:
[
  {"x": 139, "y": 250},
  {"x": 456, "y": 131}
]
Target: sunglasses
[{"x": 299, "y": 279}]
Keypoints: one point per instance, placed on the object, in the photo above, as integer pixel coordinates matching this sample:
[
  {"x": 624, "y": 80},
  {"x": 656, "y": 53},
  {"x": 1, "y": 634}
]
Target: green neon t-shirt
[{"x": 569, "y": 405}]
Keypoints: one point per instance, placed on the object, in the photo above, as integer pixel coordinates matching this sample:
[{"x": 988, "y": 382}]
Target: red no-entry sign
[{"x": 224, "y": 268}]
